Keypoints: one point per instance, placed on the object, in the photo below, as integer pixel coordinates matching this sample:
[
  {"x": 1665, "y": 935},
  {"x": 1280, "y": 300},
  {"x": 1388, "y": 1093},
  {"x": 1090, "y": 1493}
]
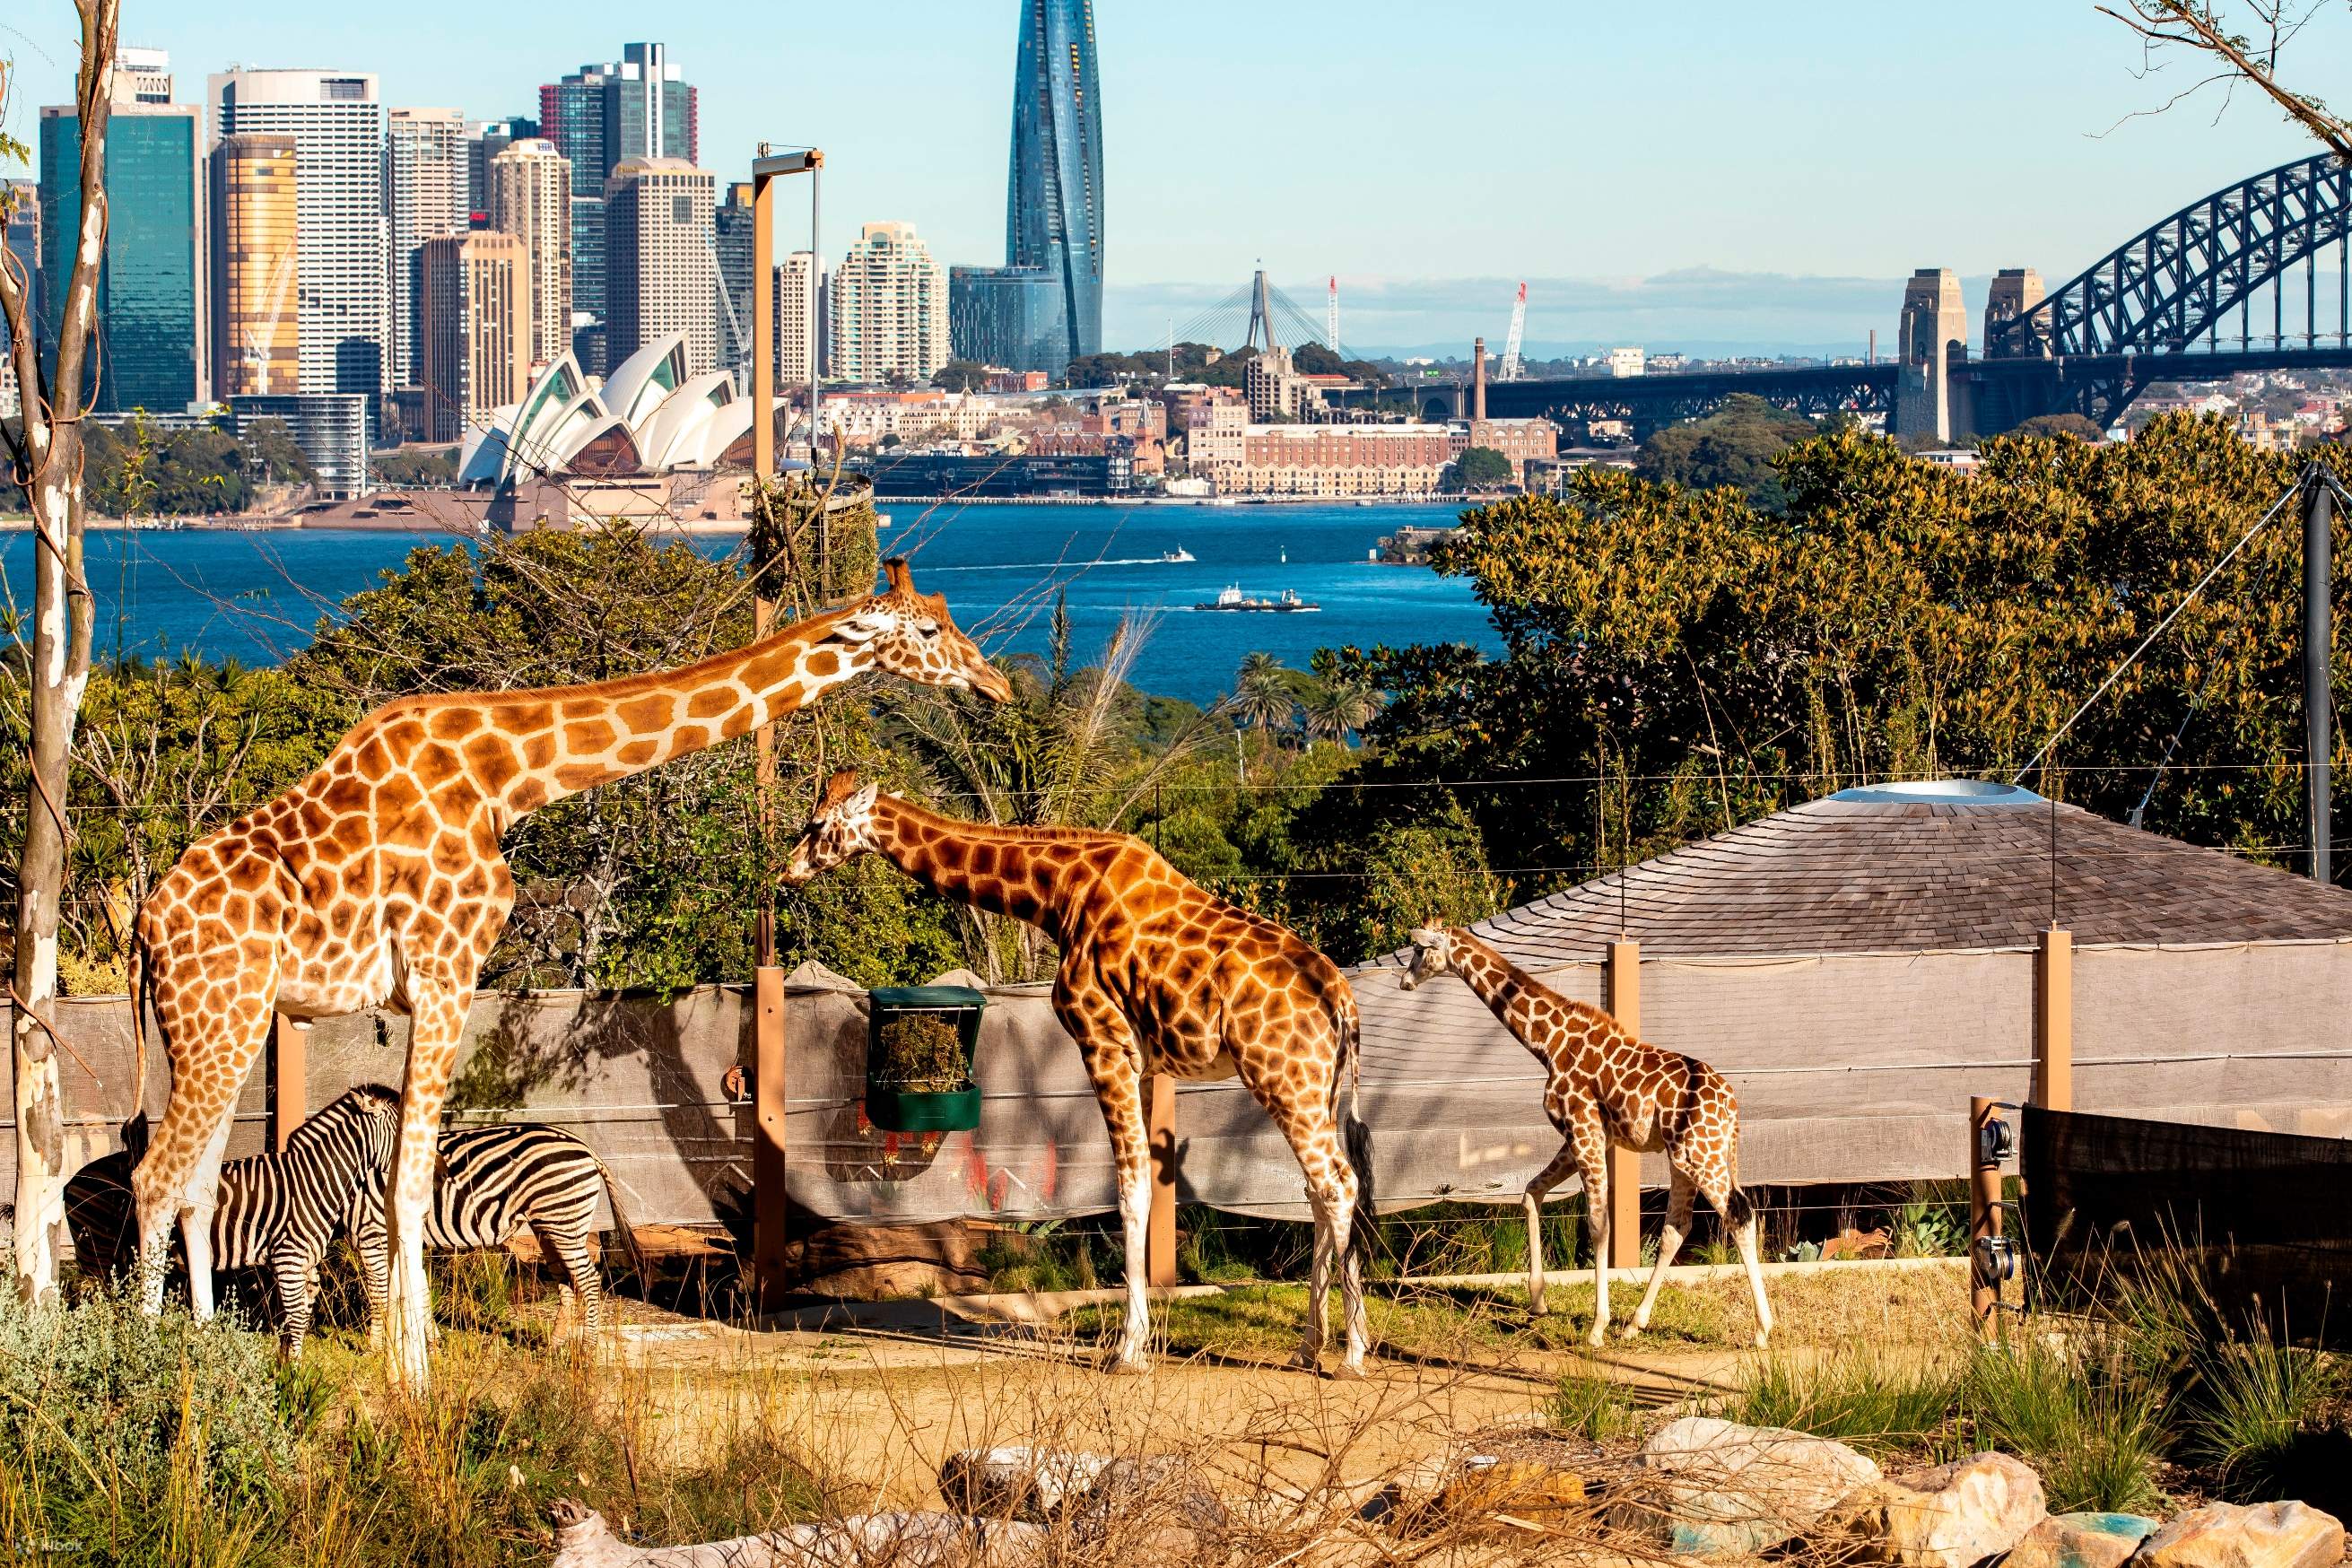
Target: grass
[
  {"x": 1598, "y": 1409},
  {"x": 1881, "y": 1401}
]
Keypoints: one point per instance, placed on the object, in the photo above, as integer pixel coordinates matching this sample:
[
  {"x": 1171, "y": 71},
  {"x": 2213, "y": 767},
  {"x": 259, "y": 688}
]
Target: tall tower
[
  {"x": 154, "y": 319},
  {"x": 2015, "y": 290},
  {"x": 795, "y": 275},
  {"x": 731, "y": 238},
  {"x": 1933, "y": 336},
  {"x": 890, "y": 307},
  {"x": 1054, "y": 204},
  {"x": 530, "y": 198},
  {"x": 343, "y": 272},
  {"x": 659, "y": 278},
  {"x": 474, "y": 299},
  {"x": 256, "y": 333},
  {"x": 425, "y": 196}
]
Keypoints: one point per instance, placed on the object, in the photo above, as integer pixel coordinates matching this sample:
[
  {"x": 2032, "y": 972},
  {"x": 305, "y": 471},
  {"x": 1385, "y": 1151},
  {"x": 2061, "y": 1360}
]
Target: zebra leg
[
  {"x": 291, "y": 1266},
  {"x": 575, "y": 1278},
  {"x": 368, "y": 1241}
]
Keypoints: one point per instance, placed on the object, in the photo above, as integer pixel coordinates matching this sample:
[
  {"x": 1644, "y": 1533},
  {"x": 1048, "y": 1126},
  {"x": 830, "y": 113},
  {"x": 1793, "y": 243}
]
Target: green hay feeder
[{"x": 920, "y": 1041}]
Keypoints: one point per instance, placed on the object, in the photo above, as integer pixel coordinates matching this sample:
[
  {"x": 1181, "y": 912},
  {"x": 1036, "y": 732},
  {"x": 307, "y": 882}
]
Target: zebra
[
  {"x": 488, "y": 1183},
  {"x": 277, "y": 1212}
]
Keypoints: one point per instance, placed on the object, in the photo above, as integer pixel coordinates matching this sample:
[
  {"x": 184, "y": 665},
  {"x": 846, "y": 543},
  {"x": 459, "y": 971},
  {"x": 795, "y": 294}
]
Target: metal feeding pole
[{"x": 2318, "y": 635}]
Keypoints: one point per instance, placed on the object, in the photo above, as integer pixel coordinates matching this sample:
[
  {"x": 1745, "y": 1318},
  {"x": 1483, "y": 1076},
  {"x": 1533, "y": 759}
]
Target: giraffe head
[
  {"x": 840, "y": 828},
  {"x": 1433, "y": 955},
  {"x": 911, "y": 635}
]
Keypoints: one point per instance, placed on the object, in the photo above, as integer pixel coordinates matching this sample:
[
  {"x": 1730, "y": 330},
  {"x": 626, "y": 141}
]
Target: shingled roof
[{"x": 1922, "y": 867}]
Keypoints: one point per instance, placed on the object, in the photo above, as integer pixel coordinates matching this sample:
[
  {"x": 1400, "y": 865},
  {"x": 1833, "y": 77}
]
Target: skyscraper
[
  {"x": 639, "y": 106},
  {"x": 257, "y": 335},
  {"x": 485, "y": 141},
  {"x": 889, "y": 308},
  {"x": 344, "y": 273},
  {"x": 425, "y": 196},
  {"x": 795, "y": 318},
  {"x": 474, "y": 300},
  {"x": 153, "y": 318},
  {"x": 20, "y": 210},
  {"x": 732, "y": 239},
  {"x": 1054, "y": 199},
  {"x": 1012, "y": 316},
  {"x": 530, "y": 198},
  {"x": 658, "y": 273}
]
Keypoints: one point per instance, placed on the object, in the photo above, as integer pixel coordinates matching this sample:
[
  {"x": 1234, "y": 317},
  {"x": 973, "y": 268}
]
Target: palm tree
[
  {"x": 1262, "y": 695},
  {"x": 1341, "y": 706}
]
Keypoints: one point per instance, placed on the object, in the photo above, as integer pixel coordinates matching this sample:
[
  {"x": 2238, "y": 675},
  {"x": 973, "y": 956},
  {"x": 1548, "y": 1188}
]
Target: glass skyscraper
[
  {"x": 152, "y": 320},
  {"x": 1054, "y": 200},
  {"x": 1008, "y": 316}
]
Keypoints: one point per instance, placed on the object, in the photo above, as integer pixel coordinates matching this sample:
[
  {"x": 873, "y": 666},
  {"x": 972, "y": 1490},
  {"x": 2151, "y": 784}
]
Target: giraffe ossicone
[
  {"x": 378, "y": 881},
  {"x": 1603, "y": 1088},
  {"x": 1157, "y": 976}
]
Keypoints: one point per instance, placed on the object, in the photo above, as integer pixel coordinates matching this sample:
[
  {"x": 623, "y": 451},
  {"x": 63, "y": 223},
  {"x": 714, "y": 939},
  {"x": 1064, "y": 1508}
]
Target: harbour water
[{"x": 257, "y": 597}]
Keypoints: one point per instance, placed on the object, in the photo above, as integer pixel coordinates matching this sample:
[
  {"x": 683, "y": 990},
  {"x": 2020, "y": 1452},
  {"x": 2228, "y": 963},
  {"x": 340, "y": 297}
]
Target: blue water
[{"x": 258, "y": 596}]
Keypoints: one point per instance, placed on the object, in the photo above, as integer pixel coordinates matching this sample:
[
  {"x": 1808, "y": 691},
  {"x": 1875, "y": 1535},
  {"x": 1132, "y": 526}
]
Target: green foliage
[
  {"x": 962, "y": 375},
  {"x": 1598, "y": 1409},
  {"x": 2071, "y": 424},
  {"x": 2087, "y": 1415},
  {"x": 1878, "y": 1402},
  {"x": 1734, "y": 446},
  {"x": 132, "y": 469},
  {"x": 416, "y": 467},
  {"x": 2271, "y": 1422},
  {"x": 1483, "y": 468}
]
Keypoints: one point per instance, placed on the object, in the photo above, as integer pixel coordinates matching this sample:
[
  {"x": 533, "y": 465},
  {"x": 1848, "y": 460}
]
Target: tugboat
[
  {"x": 1176, "y": 557},
  {"x": 1233, "y": 598}
]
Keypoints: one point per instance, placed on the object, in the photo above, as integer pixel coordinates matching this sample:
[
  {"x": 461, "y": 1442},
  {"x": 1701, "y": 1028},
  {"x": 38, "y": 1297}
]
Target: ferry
[
  {"x": 1176, "y": 557},
  {"x": 1233, "y": 598}
]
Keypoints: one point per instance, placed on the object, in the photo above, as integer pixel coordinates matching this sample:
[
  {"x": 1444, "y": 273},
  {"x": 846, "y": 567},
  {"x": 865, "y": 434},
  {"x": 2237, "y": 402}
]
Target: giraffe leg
[
  {"x": 1591, "y": 1144},
  {"x": 1670, "y": 1242},
  {"x": 1114, "y": 1067},
  {"x": 197, "y": 1209},
  {"x": 209, "y": 1059},
  {"x": 1545, "y": 1180},
  {"x": 1739, "y": 1214},
  {"x": 437, "y": 1015},
  {"x": 1332, "y": 1190}
]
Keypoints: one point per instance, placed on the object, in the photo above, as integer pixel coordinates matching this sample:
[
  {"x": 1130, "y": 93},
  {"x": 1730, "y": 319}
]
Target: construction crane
[
  {"x": 1332, "y": 318},
  {"x": 734, "y": 326},
  {"x": 1518, "y": 331}
]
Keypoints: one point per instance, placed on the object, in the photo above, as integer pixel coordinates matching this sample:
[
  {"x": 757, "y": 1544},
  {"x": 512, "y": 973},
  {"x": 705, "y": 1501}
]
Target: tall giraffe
[
  {"x": 1605, "y": 1087},
  {"x": 1157, "y": 976},
  {"x": 378, "y": 881}
]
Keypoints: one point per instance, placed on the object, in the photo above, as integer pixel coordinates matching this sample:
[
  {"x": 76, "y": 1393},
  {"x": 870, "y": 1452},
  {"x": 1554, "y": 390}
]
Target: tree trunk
[{"x": 47, "y": 459}]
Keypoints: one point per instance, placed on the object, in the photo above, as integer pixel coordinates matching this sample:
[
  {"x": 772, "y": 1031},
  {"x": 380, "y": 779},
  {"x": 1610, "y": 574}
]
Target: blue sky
[{"x": 1707, "y": 173}]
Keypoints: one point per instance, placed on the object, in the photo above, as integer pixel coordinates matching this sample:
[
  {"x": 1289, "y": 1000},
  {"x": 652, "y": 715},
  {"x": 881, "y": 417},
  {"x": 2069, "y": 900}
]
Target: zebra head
[{"x": 357, "y": 1129}]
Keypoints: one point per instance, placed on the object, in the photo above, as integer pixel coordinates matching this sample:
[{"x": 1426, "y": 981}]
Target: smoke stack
[
  {"x": 1873, "y": 347},
  {"x": 1478, "y": 378}
]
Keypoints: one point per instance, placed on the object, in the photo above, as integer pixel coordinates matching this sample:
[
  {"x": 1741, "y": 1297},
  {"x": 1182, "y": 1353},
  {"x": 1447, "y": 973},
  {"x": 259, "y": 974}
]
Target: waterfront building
[
  {"x": 332, "y": 428},
  {"x": 1275, "y": 388},
  {"x": 343, "y": 283},
  {"x": 475, "y": 299},
  {"x": 1523, "y": 441},
  {"x": 154, "y": 318},
  {"x": 660, "y": 277},
  {"x": 1626, "y": 362},
  {"x": 257, "y": 317},
  {"x": 904, "y": 473},
  {"x": 425, "y": 196},
  {"x": 1054, "y": 198},
  {"x": 889, "y": 308},
  {"x": 530, "y": 198},
  {"x": 1010, "y": 316},
  {"x": 484, "y": 142},
  {"x": 639, "y": 106},
  {"x": 798, "y": 327},
  {"x": 1324, "y": 460}
]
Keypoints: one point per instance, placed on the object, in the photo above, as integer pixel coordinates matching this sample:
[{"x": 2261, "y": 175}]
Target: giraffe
[
  {"x": 1157, "y": 976},
  {"x": 378, "y": 881},
  {"x": 1605, "y": 1087}
]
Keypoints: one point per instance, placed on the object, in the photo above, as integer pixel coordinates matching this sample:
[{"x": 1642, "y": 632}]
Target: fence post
[
  {"x": 290, "y": 1094},
  {"x": 1160, "y": 1234},
  {"x": 2053, "y": 1020},
  {"x": 768, "y": 1088},
  {"x": 1624, "y": 985},
  {"x": 1984, "y": 1210}
]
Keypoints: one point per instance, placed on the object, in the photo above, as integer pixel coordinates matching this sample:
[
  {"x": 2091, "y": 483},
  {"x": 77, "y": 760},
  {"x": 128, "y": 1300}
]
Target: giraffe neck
[
  {"x": 999, "y": 869},
  {"x": 1509, "y": 991},
  {"x": 574, "y": 738}
]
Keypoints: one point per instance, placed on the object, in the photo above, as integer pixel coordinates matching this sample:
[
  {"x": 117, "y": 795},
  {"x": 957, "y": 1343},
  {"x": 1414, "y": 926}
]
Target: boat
[
  {"x": 1177, "y": 557},
  {"x": 1233, "y": 598}
]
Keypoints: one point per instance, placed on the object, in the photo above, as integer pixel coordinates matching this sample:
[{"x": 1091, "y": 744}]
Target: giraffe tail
[
  {"x": 134, "y": 967},
  {"x": 1357, "y": 1133},
  {"x": 1740, "y": 1209}
]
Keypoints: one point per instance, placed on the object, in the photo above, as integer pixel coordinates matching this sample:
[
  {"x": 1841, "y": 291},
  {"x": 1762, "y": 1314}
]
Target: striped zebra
[
  {"x": 277, "y": 1212},
  {"x": 490, "y": 1182}
]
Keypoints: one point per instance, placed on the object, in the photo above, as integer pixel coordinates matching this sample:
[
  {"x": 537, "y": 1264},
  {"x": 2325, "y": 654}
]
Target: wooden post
[
  {"x": 290, "y": 1094},
  {"x": 768, "y": 1088},
  {"x": 1984, "y": 1210},
  {"x": 1624, "y": 978},
  {"x": 2054, "y": 1021},
  {"x": 1160, "y": 1125}
]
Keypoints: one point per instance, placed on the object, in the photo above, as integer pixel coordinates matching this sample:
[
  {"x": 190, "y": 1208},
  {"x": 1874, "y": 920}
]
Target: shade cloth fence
[{"x": 1849, "y": 1067}]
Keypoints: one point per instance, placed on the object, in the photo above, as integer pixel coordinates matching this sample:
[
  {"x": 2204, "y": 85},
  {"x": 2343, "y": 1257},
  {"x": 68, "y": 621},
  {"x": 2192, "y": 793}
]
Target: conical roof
[{"x": 1922, "y": 867}]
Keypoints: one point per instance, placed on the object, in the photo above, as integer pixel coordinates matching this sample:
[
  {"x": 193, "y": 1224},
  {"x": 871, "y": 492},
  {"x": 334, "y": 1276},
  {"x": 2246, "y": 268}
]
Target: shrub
[
  {"x": 1877, "y": 1402},
  {"x": 1597, "y": 1409},
  {"x": 2086, "y": 1413}
]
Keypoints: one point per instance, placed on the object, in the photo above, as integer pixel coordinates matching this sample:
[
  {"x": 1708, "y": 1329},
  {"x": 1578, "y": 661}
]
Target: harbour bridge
[{"x": 2178, "y": 301}]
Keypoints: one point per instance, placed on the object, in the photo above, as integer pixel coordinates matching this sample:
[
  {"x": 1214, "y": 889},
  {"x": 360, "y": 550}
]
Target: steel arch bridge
[{"x": 2170, "y": 286}]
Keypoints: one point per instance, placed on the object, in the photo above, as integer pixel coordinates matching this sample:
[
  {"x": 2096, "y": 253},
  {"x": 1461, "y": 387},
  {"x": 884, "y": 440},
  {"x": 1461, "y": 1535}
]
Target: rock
[
  {"x": 1706, "y": 1487},
  {"x": 2268, "y": 1535},
  {"x": 1952, "y": 1516},
  {"x": 902, "y": 1540},
  {"x": 2082, "y": 1541}
]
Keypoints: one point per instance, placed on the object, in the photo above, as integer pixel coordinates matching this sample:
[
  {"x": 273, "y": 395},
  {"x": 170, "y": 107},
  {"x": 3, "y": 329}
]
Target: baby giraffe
[{"x": 1607, "y": 1088}]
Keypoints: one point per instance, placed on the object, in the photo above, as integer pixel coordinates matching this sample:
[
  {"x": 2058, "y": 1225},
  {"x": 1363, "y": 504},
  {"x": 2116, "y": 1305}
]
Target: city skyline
[{"x": 1663, "y": 229}]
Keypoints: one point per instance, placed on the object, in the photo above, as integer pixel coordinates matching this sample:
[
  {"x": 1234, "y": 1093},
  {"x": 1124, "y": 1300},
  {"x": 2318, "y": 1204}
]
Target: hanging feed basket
[{"x": 920, "y": 1041}]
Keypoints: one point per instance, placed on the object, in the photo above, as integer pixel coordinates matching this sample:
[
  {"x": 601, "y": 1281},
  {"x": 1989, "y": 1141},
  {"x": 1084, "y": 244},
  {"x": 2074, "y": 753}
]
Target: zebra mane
[{"x": 354, "y": 1106}]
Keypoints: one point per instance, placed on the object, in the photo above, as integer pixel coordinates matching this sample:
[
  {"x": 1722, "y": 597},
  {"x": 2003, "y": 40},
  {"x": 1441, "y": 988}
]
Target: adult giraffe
[
  {"x": 378, "y": 881},
  {"x": 1605, "y": 1087},
  {"x": 1157, "y": 976}
]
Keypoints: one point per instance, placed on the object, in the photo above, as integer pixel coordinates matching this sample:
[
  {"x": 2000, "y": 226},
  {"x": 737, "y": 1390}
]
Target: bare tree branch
[{"x": 2206, "y": 27}]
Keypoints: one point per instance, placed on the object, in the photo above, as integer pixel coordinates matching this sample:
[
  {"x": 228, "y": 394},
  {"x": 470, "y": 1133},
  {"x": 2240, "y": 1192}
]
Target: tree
[
  {"x": 962, "y": 375},
  {"x": 416, "y": 467},
  {"x": 2233, "y": 51},
  {"x": 1734, "y": 446},
  {"x": 276, "y": 460},
  {"x": 1483, "y": 468},
  {"x": 2072, "y": 426},
  {"x": 1341, "y": 703},
  {"x": 1262, "y": 693},
  {"x": 46, "y": 458}
]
